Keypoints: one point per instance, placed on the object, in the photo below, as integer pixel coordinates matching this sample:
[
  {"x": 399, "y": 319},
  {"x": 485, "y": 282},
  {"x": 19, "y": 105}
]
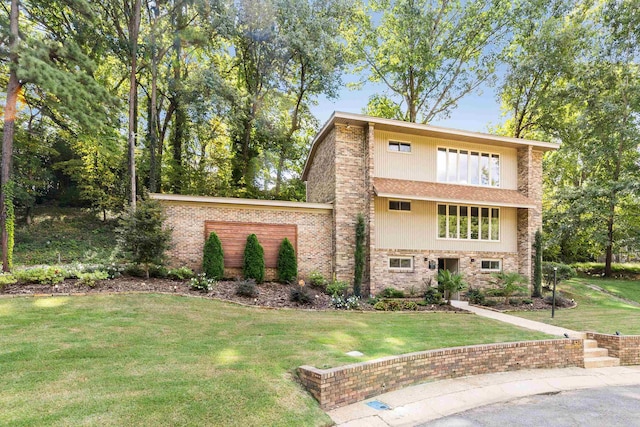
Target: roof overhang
[
  {"x": 360, "y": 120},
  {"x": 450, "y": 193}
]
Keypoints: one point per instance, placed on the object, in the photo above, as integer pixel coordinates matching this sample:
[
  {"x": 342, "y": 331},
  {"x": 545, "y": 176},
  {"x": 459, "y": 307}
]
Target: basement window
[{"x": 401, "y": 263}]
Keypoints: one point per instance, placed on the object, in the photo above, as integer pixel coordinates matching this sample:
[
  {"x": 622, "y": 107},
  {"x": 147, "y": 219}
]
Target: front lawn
[
  {"x": 596, "y": 311},
  {"x": 166, "y": 360}
]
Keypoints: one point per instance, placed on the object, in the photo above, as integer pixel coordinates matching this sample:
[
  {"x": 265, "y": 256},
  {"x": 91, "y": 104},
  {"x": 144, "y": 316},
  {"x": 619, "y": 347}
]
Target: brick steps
[{"x": 596, "y": 357}]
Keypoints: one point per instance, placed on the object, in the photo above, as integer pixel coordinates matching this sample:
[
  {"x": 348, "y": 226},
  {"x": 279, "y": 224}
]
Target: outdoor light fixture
[{"x": 617, "y": 333}]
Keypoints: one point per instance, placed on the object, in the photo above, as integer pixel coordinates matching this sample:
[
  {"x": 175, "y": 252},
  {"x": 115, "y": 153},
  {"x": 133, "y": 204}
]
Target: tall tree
[
  {"x": 134, "y": 28},
  {"x": 430, "y": 53}
]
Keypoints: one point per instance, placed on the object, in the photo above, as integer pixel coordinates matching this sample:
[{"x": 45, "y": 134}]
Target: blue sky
[{"x": 475, "y": 112}]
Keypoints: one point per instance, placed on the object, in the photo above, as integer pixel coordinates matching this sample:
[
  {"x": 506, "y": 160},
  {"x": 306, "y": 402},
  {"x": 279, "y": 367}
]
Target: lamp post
[{"x": 553, "y": 301}]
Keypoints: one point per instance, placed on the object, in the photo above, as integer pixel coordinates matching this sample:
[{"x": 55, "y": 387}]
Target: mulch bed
[
  {"x": 536, "y": 304},
  {"x": 273, "y": 295}
]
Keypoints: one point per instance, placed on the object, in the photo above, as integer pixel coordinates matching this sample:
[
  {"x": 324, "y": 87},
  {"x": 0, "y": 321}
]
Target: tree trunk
[
  {"x": 180, "y": 118},
  {"x": 133, "y": 35},
  {"x": 153, "y": 122},
  {"x": 13, "y": 87}
]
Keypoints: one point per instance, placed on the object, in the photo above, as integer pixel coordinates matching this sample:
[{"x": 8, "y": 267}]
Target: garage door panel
[{"x": 233, "y": 236}]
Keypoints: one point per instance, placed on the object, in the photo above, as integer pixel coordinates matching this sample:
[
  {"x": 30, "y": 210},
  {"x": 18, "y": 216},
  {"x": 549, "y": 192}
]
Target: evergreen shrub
[
  {"x": 287, "y": 263},
  {"x": 253, "y": 266},
  {"x": 213, "y": 258}
]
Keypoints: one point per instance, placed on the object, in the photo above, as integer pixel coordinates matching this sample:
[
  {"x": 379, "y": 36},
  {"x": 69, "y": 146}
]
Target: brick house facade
[{"x": 430, "y": 197}]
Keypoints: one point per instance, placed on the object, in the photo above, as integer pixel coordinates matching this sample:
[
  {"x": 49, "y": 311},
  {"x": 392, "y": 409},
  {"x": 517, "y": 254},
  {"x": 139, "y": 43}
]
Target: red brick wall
[
  {"x": 351, "y": 383},
  {"x": 624, "y": 347}
]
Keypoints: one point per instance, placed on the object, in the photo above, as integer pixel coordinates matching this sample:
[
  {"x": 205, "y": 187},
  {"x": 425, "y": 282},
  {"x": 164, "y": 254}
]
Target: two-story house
[{"x": 433, "y": 198}]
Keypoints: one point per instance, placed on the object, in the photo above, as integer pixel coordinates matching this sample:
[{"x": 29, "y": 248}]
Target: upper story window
[
  {"x": 468, "y": 167},
  {"x": 399, "y": 205},
  {"x": 468, "y": 223},
  {"x": 400, "y": 147}
]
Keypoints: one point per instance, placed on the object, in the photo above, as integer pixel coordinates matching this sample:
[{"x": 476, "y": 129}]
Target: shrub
[
  {"x": 44, "y": 275},
  {"x": 253, "y": 266},
  {"x": 595, "y": 268},
  {"x": 537, "y": 265},
  {"x": 202, "y": 283},
  {"x": 7, "y": 279},
  {"x": 181, "y": 273},
  {"x": 317, "y": 280},
  {"x": 345, "y": 303},
  {"x": 301, "y": 295},
  {"x": 475, "y": 296},
  {"x": 213, "y": 258},
  {"x": 510, "y": 283},
  {"x": 432, "y": 296},
  {"x": 158, "y": 271},
  {"x": 359, "y": 255},
  {"x": 409, "y": 305},
  {"x": 134, "y": 270},
  {"x": 380, "y": 306},
  {"x": 392, "y": 293},
  {"x": 515, "y": 301},
  {"x": 565, "y": 272},
  {"x": 527, "y": 301},
  {"x": 451, "y": 282},
  {"x": 90, "y": 278},
  {"x": 337, "y": 288},
  {"x": 142, "y": 237},
  {"x": 246, "y": 288},
  {"x": 394, "y": 306},
  {"x": 287, "y": 263}
]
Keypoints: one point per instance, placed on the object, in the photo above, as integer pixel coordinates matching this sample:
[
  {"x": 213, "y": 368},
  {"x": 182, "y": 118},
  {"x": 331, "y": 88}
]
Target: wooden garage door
[{"x": 233, "y": 236}]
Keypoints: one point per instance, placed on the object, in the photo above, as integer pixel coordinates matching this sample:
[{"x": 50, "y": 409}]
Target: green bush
[
  {"x": 565, "y": 272},
  {"x": 392, "y": 293},
  {"x": 158, "y": 271},
  {"x": 301, "y": 295},
  {"x": 451, "y": 282},
  {"x": 246, "y": 288},
  {"x": 409, "y": 305},
  {"x": 287, "y": 263},
  {"x": 597, "y": 269},
  {"x": 90, "y": 278},
  {"x": 253, "y": 266},
  {"x": 341, "y": 302},
  {"x": 475, "y": 296},
  {"x": 560, "y": 301},
  {"x": 213, "y": 258},
  {"x": 202, "y": 283},
  {"x": 43, "y": 275},
  {"x": 394, "y": 306},
  {"x": 510, "y": 283},
  {"x": 380, "y": 306},
  {"x": 7, "y": 279},
  {"x": 317, "y": 280},
  {"x": 359, "y": 255},
  {"x": 181, "y": 273},
  {"x": 337, "y": 288},
  {"x": 143, "y": 239},
  {"x": 432, "y": 296}
]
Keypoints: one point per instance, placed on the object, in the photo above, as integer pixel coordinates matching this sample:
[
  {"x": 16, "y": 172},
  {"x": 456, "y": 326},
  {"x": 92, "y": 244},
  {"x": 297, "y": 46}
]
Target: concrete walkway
[
  {"x": 518, "y": 321},
  {"x": 430, "y": 401}
]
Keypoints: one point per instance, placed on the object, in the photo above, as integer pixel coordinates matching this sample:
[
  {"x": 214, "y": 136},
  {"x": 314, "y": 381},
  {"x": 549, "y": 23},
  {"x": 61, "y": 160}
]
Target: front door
[{"x": 450, "y": 264}]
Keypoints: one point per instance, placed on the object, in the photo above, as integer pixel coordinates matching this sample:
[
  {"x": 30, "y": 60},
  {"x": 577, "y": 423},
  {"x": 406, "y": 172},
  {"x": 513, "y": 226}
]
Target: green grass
[
  {"x": 64, "y": 235},
  {"x": 164, "y": 360},
  {"x": 596, "y": 311}
]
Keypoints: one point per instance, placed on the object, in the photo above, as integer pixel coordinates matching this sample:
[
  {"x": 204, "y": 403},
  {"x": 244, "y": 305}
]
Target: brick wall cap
[{"x": 254, "y": 203}]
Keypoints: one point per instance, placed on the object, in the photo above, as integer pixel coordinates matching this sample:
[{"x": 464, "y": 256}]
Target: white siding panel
[
  {"x": 420, "y": 164},
  {"x": 417, "y": 230}
]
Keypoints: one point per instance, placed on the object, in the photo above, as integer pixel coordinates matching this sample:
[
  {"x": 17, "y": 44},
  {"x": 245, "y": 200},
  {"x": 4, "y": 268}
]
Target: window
[
  {"x": 468, "y": 167},
  {"x": 400, "y": 147},
  {"x": 468, "y": 223},
  {"x": 399, "y": 205},
  {"x": 491, "y": 264},
  {"x": 401, "y": 263}
]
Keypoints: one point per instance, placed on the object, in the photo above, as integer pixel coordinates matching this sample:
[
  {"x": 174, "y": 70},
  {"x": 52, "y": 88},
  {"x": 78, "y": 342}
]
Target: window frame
[
  {"x": 400, "y": 201},
  {"x": 490, "y": 260},
  {"x": 399, "y": 144},
  {"x": 469, "y": 217},
  {"x": 490, "y": 155},
  {"x": 401, "y": 258}
]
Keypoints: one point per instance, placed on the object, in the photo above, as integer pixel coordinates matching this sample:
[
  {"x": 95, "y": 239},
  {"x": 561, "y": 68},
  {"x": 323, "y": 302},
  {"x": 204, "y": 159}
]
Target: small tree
[
  {"x": 213, "y": 258},
  {"x": 359, "y": 256},
  {"x": 287, "y": 263},
  {"x": 537, "y": 265},
  {"x": 510, "y": 283},
  {"x": 253, "y": 266},
  {"x": 450, "y": 282},
  {"x": 142, "y": 237}
]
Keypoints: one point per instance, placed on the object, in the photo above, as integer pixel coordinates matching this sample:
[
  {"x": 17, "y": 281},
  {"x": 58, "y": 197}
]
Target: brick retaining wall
[
  {"x": 348, "y": 384},
  {"x": 624, "y": 347}
]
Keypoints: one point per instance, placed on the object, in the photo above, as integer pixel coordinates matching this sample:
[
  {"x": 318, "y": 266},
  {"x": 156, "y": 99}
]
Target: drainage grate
[{"x": 375, "y": 404}]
